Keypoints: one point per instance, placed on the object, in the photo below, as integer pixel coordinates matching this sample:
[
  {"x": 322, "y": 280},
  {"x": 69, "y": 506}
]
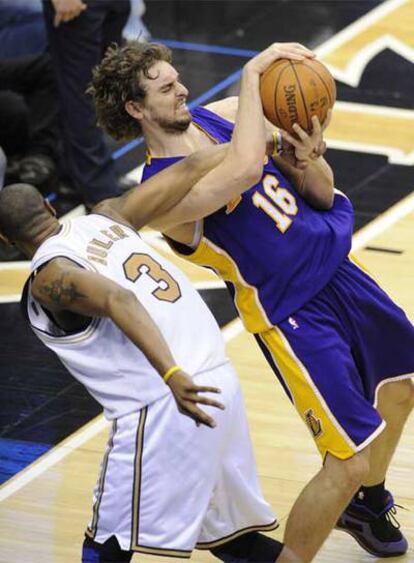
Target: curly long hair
[{"x": 116, "y": 80}]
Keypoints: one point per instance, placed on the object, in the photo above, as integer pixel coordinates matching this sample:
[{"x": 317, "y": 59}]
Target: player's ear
[
  {"x": 50, "y": 207},
  {"x": 134, "y": 109}
]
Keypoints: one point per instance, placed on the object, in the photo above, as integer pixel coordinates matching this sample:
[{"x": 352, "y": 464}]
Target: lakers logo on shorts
[{"x": 314, "y": 423}]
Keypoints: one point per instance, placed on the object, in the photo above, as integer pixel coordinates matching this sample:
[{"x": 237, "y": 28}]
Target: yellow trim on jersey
[
  {"x": 310, "y": 404},
  {"x": 246, "y": 296}
]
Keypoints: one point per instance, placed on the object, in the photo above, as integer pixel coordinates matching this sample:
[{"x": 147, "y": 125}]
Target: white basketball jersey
[{"x": 111, "y": 367}]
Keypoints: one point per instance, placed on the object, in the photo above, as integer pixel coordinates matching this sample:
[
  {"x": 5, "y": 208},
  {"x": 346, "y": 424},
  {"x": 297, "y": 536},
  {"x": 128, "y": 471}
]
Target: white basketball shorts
[{"x": 167, "y": 486}]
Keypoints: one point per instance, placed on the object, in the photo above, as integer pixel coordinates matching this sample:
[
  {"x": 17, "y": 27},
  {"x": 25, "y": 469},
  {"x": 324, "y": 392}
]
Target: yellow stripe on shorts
[{"x": 325, "y": 429}]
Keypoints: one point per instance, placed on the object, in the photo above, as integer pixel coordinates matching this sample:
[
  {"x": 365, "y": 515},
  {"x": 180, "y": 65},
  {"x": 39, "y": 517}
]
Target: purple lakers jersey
[{"x": 273, "y": 249}]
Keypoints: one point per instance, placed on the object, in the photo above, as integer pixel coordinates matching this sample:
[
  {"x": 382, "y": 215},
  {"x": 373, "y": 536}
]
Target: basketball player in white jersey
[{"x": 131, "y": 328}]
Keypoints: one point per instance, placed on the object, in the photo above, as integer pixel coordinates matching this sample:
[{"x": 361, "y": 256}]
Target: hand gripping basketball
[
  {"x": 292, "y": 91},
  {"x": 307, "y": 146},
  {"x": 293, "y": 51}
]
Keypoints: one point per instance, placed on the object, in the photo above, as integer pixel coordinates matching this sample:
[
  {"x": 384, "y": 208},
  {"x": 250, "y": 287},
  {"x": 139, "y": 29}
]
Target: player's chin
[{"x": 183, "y": 122}]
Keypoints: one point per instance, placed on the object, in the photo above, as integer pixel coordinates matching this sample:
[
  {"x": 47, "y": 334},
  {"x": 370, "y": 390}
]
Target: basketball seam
[
  {"x": 275, "y": 93},
  {"x": 321, "y": 79},
  {"x": 309, "y": 123}
]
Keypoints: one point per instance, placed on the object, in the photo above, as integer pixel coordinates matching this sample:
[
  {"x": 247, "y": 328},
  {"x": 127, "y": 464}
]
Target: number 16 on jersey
[{"x": 279, "y": 204}]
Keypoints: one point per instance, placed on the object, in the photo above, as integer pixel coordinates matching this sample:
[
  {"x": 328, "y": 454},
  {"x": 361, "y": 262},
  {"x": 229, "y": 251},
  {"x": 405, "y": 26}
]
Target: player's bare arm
[
  {"x": 227, "y": 108},
  {"x": 242, "y": 166},
  {"x": 141, "y": 205},
  {"x": 64, "y": 286},
  {"x": 302, "y": 162}
]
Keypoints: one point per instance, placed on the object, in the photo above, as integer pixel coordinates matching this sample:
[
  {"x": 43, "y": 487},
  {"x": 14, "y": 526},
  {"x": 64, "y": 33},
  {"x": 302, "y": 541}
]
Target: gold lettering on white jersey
[{"x": 97, "y": 249}]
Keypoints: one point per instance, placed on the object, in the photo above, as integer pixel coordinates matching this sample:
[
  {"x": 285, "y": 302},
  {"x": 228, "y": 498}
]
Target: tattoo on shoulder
[{"x": 61, "y": 292}]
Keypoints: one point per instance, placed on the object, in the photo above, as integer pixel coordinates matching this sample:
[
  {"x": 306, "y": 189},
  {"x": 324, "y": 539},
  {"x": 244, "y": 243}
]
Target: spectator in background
[
  {"x": 28, "y": 120},
  {"x": 79, "y": 33},
  {"x": 22, "y": 28}
]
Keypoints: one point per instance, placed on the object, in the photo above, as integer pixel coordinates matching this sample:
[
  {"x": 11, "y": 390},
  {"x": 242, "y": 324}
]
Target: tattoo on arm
[{"x": 62, "y": 292}]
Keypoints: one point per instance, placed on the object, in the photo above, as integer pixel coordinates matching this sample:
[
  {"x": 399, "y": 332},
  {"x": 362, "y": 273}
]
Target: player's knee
[
  {"x": 407, "y": 394},
  {"x": 398, "y": 394},
  {"x": 348, "y": 474}
]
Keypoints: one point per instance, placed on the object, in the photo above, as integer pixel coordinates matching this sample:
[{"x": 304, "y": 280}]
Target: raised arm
[
  {"x": 63, "y": 286},
  {"x": 312, "y": 177},
  {"x": 242, "y": 165}
]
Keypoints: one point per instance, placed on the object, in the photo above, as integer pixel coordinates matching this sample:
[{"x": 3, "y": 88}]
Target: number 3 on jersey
[
  {"x": 167, "y": 290},
  {"x": 281, "y": 200}
]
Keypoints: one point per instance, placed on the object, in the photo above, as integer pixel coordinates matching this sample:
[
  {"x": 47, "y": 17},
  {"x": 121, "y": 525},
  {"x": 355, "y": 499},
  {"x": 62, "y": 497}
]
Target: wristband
[
  {"x": 170, "y": 372},
  {"x": 277, "y": 142}
]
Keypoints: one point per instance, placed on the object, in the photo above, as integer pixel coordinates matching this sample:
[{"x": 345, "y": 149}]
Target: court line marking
[
  {"x": 359, "y": 25},
  {"x": 204, "y": 48},
  {"x": 12, "y": 298},
  {"x": 354, "y": 69},
  {"x": 209, "y": 284},
  {"x": 14, "y": 265},
  {"x": 372, "y": 109},
  {"x": 383, "y": 222},
  {"x": 394, "y": 155}
]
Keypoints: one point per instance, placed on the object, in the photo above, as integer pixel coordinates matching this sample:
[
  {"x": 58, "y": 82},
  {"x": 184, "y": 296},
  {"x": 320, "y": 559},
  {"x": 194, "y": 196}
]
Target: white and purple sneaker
[{"x": 377, "y": 533}]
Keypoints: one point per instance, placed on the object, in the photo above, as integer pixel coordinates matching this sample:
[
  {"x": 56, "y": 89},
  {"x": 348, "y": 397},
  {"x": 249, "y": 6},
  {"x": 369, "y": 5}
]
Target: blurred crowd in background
[{"x": 48, "y": 132}]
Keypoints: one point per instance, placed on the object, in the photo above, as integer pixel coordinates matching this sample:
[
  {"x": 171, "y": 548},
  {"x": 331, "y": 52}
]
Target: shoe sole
[{"x": 366, "y": 548}]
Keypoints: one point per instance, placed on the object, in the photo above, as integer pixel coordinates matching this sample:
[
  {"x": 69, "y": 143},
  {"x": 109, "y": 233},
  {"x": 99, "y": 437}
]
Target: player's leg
[
  {"x": 312, "y": 357},
  {"x": 141, "y": 497},
  {"x": 237, "y": 510},
  {"x": 383, "y": 346},
  {"x": 395, "y": 403},
  {"x": 107, "y": 552},
  {"x": 322, "y": 501},
  {"x": 370, "y": 508}
]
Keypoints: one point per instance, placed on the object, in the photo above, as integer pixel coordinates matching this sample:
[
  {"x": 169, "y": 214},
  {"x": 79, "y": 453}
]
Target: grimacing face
[{"x": 165, "y": 100}]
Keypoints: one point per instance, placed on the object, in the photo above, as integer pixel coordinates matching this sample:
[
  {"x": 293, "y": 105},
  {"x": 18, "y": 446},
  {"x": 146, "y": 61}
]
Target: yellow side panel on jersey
[
  {"x": 311, "y": 406},
  {"x": 246, "y": 296}
]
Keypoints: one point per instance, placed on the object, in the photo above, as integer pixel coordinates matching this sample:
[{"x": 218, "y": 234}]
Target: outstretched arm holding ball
[{"x": 297, "y": 93}]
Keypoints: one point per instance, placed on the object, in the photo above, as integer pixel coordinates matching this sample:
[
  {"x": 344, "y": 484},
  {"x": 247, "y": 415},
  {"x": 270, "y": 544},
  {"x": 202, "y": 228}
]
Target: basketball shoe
[{"x": 376, "y": 532}]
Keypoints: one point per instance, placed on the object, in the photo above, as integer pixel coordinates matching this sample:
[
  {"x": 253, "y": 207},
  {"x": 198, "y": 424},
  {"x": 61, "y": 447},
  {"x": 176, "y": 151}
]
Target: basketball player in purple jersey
[{"x": 329, "y": 332}]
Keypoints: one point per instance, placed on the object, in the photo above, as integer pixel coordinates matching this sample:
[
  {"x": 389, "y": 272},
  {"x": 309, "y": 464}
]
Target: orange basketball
[{"x": 294, "y": 91}]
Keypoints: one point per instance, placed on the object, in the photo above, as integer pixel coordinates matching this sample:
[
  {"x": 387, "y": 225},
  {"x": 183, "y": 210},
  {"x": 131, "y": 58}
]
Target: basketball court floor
[{"x": 52, "y": 436}]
